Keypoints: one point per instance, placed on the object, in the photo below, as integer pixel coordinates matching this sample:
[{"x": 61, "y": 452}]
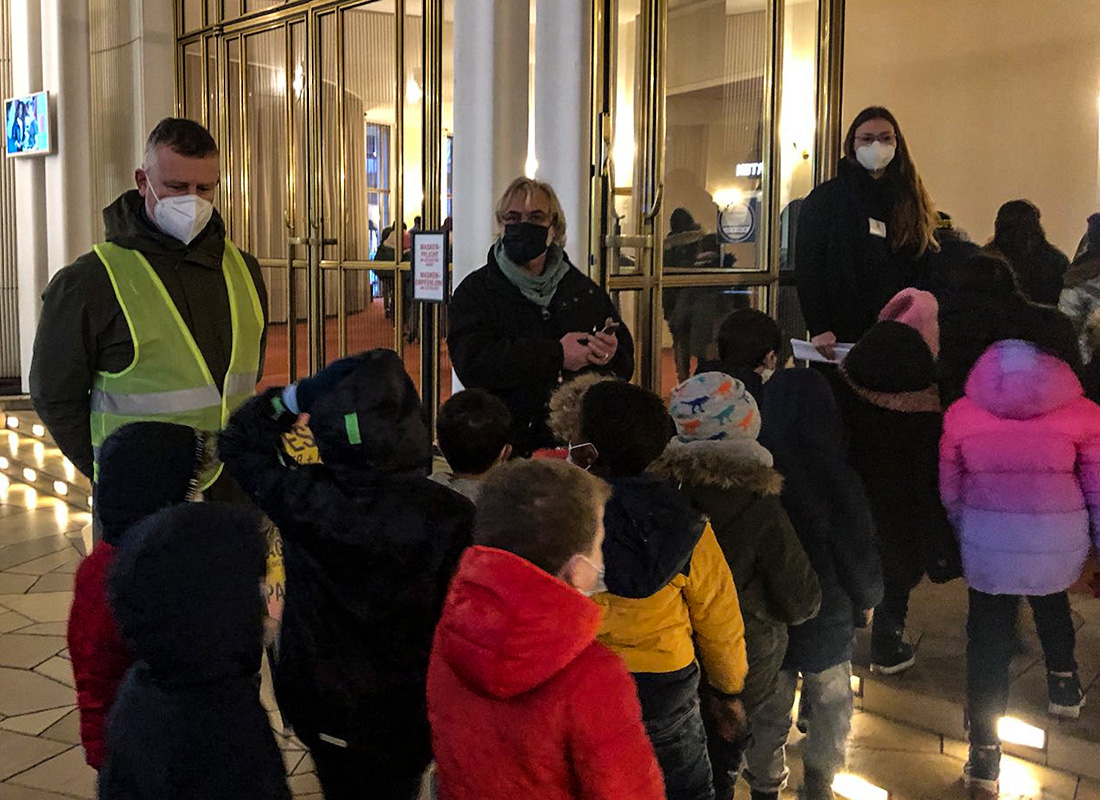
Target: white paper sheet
[{"x": 804, "y": 351}]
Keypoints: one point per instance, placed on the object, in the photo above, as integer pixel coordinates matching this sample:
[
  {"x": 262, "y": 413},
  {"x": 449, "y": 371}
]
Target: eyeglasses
[
  {"x": 869, "y": 138},
  {"x": 537, "y": 216},
  {"x": 583, "y": 455}
]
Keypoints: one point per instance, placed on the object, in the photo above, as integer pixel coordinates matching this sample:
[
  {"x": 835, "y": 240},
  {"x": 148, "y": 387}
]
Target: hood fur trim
[
  {"x": 923, "y": 401},
  {"x": 736, "y": 464}
]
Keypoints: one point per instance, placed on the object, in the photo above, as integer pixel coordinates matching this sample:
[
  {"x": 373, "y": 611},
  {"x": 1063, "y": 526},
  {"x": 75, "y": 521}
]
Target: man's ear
[{"x": 141, "y": 178}]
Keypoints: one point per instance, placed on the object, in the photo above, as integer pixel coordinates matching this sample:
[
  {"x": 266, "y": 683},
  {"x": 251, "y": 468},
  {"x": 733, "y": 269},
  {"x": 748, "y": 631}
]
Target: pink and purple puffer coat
[{"x": 1020, "y": 472}]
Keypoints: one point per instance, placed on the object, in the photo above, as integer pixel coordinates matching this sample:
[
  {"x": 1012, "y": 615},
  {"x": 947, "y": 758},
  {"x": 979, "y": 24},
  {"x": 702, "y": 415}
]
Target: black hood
[
  {"x": 650, "y": 530},
  {"x": 127, "y": 225},
  {"x": 143, "y": 467},
  {"x": 185, "y": 591},
  {"x": 379, "y": 401}
]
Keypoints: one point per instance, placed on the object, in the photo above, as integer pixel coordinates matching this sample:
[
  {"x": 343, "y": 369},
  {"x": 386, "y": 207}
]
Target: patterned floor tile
[
  {"x": 40, "y": 566},
  {"x": 65, "y": 774},
  {"x": 10, "y": 621},
  {"x": 23, "y": 692},
  {"x": 34, "y": 724},
  {"x": 67, "y": 730},
  {"x": 19, "y": 752},
  {"x": 13, "y": 583},
  {"x": 53, "y": 582},
  {"x": 13, "y": 555},
  {"x": 27, "y": 652},
  {"x": 45, "y": 629},
  {"x": 58, "y": 668},
  {"x": 44, "y": 607}
]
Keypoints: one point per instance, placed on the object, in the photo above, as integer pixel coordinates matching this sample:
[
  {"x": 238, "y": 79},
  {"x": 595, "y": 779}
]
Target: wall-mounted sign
[
  {"x": 737, "y": 221},
  {"x": 27, "y": 130},
  {"x": 750, "y": 169},
  {"x": 429, "y": 266}
]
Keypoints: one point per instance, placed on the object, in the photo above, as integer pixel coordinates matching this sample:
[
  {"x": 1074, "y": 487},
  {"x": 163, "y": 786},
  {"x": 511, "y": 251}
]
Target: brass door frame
[
  {"x": 310, "y": 13},
  {"x": 649, "y": 127}
]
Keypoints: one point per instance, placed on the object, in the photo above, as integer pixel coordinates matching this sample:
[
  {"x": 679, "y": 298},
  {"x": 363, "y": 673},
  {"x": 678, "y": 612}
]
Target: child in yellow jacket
[{"x": 667, "y": 592}]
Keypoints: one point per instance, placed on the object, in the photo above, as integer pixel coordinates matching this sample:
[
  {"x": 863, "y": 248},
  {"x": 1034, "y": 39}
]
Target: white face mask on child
[{"x": 599, "y": 586}]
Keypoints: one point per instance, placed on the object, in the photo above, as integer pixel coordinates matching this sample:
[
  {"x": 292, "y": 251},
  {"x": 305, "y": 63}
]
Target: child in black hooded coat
[{"x": 187, "y": 723}]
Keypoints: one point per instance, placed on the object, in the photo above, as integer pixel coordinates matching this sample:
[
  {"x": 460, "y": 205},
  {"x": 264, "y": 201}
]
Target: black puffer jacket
[
  {"x": 81, "y": 317},
  {"x": 826, "y": 503},
  {"x": 733, "y": 483},
  {"x": 369, "y": 544},
  {"x": 892, "y": 408},
  {"x": 187, "y": 723},
  {"x": 501, "y": 341},
  {"x": 845, "y": 273}
]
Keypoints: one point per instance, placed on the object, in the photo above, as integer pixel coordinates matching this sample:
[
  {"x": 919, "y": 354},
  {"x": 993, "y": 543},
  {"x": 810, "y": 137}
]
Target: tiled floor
[{"x": 40, "y": 753}]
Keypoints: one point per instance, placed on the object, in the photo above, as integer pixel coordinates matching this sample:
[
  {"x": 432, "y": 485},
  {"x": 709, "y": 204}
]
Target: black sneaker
[
  {"x": 892, "y": 658},
  {"x": 1065, "y": 695},
  {"x": 982, "y": 771}
]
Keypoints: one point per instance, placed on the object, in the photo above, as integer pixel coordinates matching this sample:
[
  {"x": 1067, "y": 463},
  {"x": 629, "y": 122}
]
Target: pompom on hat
[
  {"x": 920, "y": 311},
  {"x": 714, "y": 407}
]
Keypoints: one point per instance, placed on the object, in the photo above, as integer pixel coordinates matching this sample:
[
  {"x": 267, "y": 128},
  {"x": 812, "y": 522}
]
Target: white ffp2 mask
[
  {"x": 182, "y": 217},
  {"x": 875, "y": 156}
]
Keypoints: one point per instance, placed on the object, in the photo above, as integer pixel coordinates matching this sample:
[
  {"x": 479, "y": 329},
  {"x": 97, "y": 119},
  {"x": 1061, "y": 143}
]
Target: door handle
[{"x": 655, "y": 205}]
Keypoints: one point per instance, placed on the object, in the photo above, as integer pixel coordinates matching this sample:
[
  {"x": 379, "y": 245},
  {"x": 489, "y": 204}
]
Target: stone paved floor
[{"x": 41, "y": 759}]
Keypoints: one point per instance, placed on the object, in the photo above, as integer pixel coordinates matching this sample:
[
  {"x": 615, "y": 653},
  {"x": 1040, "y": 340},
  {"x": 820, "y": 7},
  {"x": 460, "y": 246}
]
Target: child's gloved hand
[
  {"x": 300, "y": 397},
  {"x": 728, "y": 715}
]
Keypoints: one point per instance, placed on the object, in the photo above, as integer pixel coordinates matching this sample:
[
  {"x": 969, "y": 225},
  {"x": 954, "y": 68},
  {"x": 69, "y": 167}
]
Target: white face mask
[
  {"x": 600, "y": 586},
  {"x": 182, "y": 217},
  {"x": 876, "y": 156}
]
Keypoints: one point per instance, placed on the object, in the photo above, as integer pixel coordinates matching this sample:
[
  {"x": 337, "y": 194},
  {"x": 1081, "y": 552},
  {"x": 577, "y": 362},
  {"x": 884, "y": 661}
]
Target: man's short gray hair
[{"x": 183, "y": 136}]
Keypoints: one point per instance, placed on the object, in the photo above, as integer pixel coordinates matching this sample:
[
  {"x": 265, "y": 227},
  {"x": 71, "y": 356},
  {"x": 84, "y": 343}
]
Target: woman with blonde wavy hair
[{"x": 864, "y": 235}]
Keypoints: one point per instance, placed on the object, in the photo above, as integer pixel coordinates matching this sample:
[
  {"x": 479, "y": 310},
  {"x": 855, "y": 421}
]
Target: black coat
[
  {"x": 369, "y": 550},
  {"x": 187, "y": 723},
  {"x": 1040, "y": 274},
  {"x": 845, "y": 273},
  {"x": 828, "y": 508},
  {"x": 81, "y": 318},
  {"x": 970, "y": 321},
  {"x": 501, "y": 341}
]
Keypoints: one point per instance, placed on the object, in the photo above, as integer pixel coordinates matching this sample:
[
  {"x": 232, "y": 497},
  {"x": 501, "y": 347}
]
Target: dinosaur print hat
[{"x": 714, "y": 407}]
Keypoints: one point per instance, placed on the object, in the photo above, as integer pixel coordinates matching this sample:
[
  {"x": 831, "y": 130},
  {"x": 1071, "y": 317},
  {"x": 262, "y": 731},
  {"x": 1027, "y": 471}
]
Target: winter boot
[
  {"x": 982, "y": 771},
  {"x": 890, "y": 654},
  {"x": 1066, "y": 698},
  {"x": 816, "y": 786}
]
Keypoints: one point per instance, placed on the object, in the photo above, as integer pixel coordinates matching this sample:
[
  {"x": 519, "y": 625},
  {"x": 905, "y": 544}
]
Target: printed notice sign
[{"x": 429, "y": 266}]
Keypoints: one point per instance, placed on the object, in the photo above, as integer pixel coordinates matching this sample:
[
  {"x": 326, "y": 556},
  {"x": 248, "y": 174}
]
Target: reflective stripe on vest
[{"x": 168, "y": 379}]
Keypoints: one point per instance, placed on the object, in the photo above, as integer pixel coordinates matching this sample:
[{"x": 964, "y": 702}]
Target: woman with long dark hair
[
  {"x": 864, "y": 235},
  {"x": 1019, "y": 238}
]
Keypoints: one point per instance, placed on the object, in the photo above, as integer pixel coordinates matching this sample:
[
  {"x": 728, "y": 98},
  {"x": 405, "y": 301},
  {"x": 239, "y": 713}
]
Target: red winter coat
[
  {"x": 99, "y": 654},
  {"x": 523, "y": 701}
]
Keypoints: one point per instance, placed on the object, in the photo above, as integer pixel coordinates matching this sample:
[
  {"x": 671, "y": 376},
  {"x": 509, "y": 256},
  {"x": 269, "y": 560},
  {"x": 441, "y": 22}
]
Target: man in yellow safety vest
[{"x": 162, "y": 321}]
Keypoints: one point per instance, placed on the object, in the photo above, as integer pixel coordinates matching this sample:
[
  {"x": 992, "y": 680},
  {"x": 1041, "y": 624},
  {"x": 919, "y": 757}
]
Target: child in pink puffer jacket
[{"x": 1020, "y": 479}]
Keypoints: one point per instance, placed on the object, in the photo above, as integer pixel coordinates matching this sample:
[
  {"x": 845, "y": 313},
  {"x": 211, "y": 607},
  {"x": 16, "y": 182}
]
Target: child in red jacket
[
  {"x": 143, "y": 467},
  {"x": 523, "y": 701}
]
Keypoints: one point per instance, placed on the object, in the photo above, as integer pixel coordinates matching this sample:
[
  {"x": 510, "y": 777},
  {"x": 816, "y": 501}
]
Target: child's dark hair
[
  {"x": 545, "y": 511},
  {"x": 746, "y": 337},
  {"x": 628, "y": 425},
  {"x": 472, "y": 428}
]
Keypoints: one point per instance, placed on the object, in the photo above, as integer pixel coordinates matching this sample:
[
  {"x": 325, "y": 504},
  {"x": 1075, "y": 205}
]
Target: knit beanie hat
[
  {"x": 920, "y": 311},
  {"x": 713, "y": 406},
  {"x": 144, "y": 467},
  {"x": 681, "y": 220},
  {"x": 891, "y": 357}
]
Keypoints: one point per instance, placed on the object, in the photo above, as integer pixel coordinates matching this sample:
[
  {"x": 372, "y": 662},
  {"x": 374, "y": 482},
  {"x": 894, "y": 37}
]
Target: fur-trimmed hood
[
  {"x": 923, "y": 401},
  {"x": 728, "y": 464}
]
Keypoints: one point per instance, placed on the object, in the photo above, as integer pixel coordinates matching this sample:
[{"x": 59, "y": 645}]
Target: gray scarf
[{"x": 539, "y": 289}]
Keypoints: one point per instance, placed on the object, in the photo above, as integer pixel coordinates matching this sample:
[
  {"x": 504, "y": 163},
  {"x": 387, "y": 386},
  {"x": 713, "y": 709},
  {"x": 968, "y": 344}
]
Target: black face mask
[{"x": 525, "y": 241}]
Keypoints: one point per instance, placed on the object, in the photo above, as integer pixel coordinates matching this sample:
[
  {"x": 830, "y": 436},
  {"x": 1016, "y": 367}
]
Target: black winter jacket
[
  {"x": 369, "y": 550},
  {"x": 1040, "y": 273},
  {"x": 501, "y": 341},
  {"x": 828, "y": 508},
  {"x": 82, "y": 329},
  {"x": 845, "y": 273},
  {"x": 187, "y": 723},
  {"x": 776, "y": 586},
  {"x": 970, "y": 321},
  {"x": 894, "y": 420}
]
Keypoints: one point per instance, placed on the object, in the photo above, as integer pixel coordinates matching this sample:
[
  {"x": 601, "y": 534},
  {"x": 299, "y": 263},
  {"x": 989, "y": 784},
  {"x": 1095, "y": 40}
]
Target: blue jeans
[
  {"x": 825, "y": 749},
  {"x": 674, "y": 723}
]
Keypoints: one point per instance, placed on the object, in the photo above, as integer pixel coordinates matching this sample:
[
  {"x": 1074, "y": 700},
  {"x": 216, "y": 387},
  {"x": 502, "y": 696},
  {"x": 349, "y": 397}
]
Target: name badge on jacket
[{"x": 878, "y": 227}]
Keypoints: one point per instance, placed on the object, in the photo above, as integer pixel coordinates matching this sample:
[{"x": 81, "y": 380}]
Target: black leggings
[
  {"x": 989, "y": 629},
  {"x": 355, "y": 774}
]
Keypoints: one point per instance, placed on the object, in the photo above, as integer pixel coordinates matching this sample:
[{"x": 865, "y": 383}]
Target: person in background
[
  {"x": 864, "y": 235},
  {"x": 956, "y": 248},
  {"x": 667, "y": 590},
  {"x": 188, "y": 721},
  {"x": 529, "y": 319},
  {"x": 1020, "y": 479},
  {"x": 823, "y": 497},
  {"x": 144, "y": 467},
  {"x": 523, "y": 701},
  {"x": 370, "y": 545},
  {"x": 981, "y": 304},
  {"x": 163, "y": 321},
  {"x": 1080, "y": 299},
  {"x": 724, "y": 471},
  {"x": 474, "y": 430},
  {"x": 1019, "y": 238},
  {"x": 891, "y": 405}
]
